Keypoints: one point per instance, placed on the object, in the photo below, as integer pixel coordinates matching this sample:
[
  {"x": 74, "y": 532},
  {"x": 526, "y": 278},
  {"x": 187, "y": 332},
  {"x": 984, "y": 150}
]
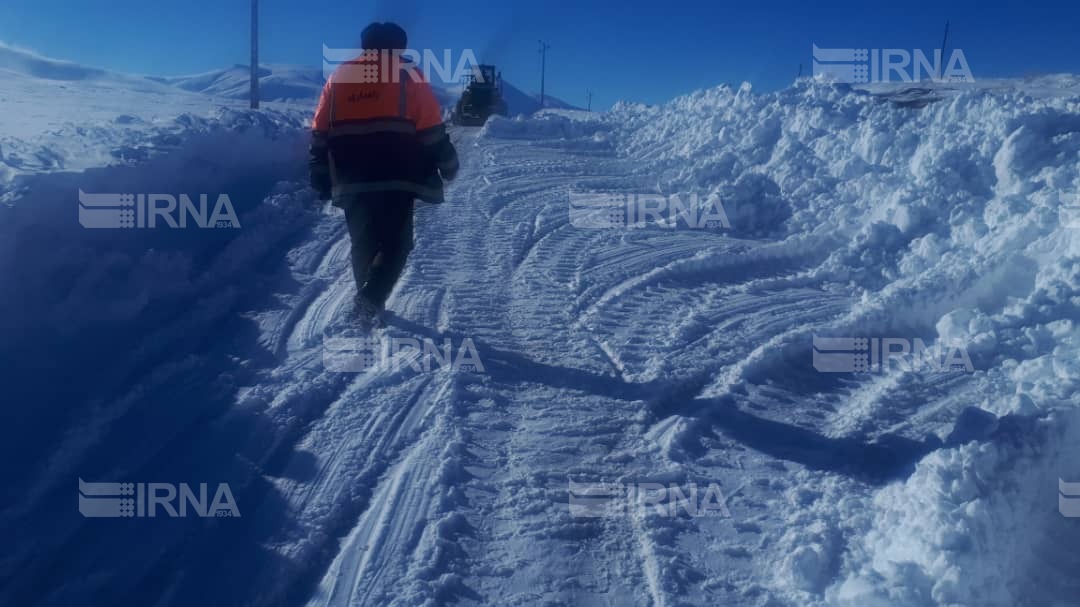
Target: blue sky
[{"x": 640, "y": 50}]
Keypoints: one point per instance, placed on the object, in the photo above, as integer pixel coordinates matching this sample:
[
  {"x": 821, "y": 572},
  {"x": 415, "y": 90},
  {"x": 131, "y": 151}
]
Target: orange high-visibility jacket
[{"x": 379, "y": 128}]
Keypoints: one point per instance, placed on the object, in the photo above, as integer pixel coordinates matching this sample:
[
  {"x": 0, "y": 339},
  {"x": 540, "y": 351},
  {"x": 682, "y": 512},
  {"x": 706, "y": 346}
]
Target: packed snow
[{"x": 653, "y": 354}]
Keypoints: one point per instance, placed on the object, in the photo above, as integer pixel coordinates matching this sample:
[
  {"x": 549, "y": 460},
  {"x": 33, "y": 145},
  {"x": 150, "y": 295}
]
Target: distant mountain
[
  {"x": 28, "y": 63},
  {"x": 277, "y": 83},
  {"x": 289, "y": 83},
  {"x": 521, "y": 102},
  {"x": 21, "y": 64}
]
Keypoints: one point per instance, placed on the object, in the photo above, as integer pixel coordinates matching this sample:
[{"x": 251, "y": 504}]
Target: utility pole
[
  {"x": 254, "y": 54},
  {"x": 944, "y": 42},
  {"x": 588, "y": 95},
  {"x": 543, "y": 69}
]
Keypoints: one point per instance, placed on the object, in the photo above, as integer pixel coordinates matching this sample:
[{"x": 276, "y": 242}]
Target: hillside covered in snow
[
  {"x": 92, "y": 117},
  {"x": 659, "y": 355},
  {"x": 303, "y": 85}
]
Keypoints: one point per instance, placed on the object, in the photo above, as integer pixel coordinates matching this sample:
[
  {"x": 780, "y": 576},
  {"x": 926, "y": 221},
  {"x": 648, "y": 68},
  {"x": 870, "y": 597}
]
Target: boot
[{"x": 368, "y": 313}]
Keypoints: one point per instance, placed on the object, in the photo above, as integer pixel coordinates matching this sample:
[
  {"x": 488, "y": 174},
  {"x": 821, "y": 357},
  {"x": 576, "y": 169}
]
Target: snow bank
[
  {"x": 135, "y": 296},
  {"x": 947, "y": 221},
  {"x": 975, "y": 525},
  {"x": 124, "y": 350},
  {"x": 550, "y": 124},
  {"x": 952, "y": 218}
]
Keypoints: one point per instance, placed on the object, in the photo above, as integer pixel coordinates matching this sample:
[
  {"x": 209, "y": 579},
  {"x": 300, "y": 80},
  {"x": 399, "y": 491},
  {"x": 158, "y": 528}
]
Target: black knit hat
[{"x": 384, "y": 37}]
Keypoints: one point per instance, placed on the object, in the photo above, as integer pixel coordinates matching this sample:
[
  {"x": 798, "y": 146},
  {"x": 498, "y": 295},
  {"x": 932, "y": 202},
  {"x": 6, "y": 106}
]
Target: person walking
[{"x": 378, "y": 144}]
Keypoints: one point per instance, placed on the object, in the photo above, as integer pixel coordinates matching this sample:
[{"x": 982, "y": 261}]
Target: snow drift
[
  {"x": 947, "y": 222},
  {"x": 948, "y": 219},
  {"x": 96, "y": 317}
]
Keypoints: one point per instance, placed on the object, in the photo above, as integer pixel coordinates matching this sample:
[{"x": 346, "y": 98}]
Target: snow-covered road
[
  {"x": 640, "y": 357},
  {"x": 598, "y": 349},
  {"x": 402, "y": 487}
]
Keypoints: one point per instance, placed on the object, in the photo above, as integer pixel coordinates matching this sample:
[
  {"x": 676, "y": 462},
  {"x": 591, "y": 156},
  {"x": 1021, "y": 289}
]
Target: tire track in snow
[
  {"x": 529, "y": 438},
  {"x": 577, "y": 387},
  {"x": 400, "y": 468},
  {"x": 575, "y": 305}
]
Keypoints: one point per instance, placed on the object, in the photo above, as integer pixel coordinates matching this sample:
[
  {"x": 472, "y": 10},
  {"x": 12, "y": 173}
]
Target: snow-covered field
[{"x": 654, "y": 354}]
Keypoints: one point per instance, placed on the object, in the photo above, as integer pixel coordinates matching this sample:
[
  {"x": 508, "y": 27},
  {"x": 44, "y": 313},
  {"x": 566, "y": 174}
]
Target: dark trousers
[{"x": 381, "y": 229}]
